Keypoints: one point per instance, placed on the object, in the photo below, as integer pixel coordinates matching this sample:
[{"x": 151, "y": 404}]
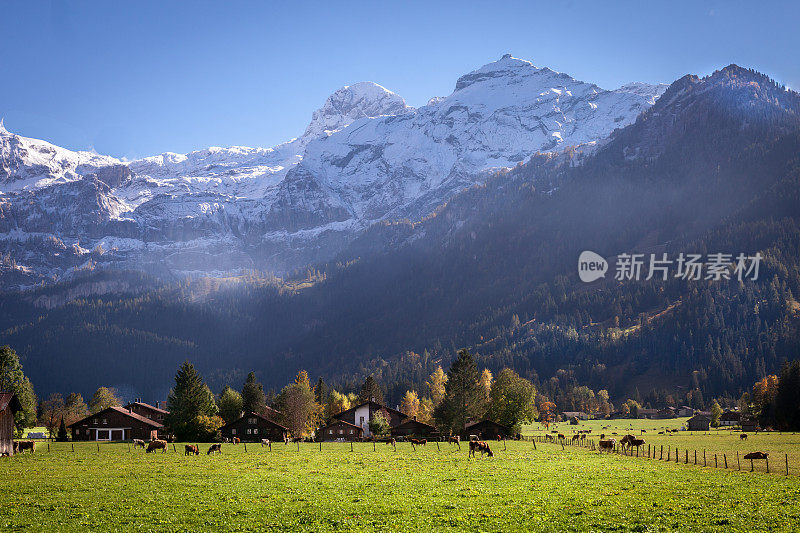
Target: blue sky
[{"x": 132, "y": 79}]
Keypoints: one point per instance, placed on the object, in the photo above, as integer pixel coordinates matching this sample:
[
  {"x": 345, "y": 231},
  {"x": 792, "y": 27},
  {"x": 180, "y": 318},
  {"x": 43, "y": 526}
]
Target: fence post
[
  {"x": 73, "y": 447},
  {"x": 767, "y": 460},
  {"x": 725, "y": 458},
  {"x": 738, "y": 464},
  {"x": 373, "y": 446},
  {"x": 176, "y": 451},
  {"x": 351, "y": 446},
  {"x": 98, "y": 447},
  {"x": 48, "y": 447},
  {"x": 715, "y": 461},
  {"x": 686, "y": 459},
  {"x": 695, "y": 457},
  {"x": 787, "y": 464},
  {"x": 534, "y": 445},
  {"x": 320, "y": 445},
  {"x": 245, "y": 447},
  {"x": 704, "y": 458}
]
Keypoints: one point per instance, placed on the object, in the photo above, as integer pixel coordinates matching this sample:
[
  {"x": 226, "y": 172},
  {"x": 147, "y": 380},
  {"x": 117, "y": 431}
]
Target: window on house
[
  {"x": 251, "y": 420},
  {"x": 330, "y": 432},
  {"x": 77, "y": 431},
  {"x": 94, "y": 421},
  {"x": 249, "y": 431},
  {"x": 255, "y": 431},
  {"x": 351, "y": 431},
  {"x": 105, "y": 421},
  {"x": 233, "y": 432},
  {"x": 341, "y": 432}
]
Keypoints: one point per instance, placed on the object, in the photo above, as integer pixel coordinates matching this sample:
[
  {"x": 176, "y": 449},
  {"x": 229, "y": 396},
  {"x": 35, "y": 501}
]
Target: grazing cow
[
  {"x": 392, "y": 441},
  {"x": 561, "y": 437},
  {"x": 297, "y": 439},
  {"x": 236, "y": 440},
  {"x": 575, "y": 438},
  {"x": 157, "y": 445},
  {"x": 743, "y": 436},
  {"x": 266, "y": 442},
  {"x": 480, "y": 446},
  {"x": 636, "y": 442},
  {"x": 22, "y": 445},
  {"x": 215, "y": 448},
  {"x": 607, "y": 444},
  {"x": 756, "y": 455},
  {"x": 138, "y": 443},
  {"x": 455, "y": 440},
  {"x": 191, "y": 449},
  {"x": 419, "y": 442},
  {"x": 583, "y": 437},
  {"x": 226, "y": 440},
  {"x": 626, "y": 441}
]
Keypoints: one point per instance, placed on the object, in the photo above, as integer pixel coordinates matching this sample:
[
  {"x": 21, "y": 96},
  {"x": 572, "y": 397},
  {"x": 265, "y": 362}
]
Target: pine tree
[
  {"x": 189, "y": 400},
  {"x": 787, "y": 399},
  {"x": 463, "y": 397},
  {"x": 321, "y": 392},
  {"x": 253, "y": 398},
  {"x": 62, "y": 432},
  {"x": 370, "y": 391}
]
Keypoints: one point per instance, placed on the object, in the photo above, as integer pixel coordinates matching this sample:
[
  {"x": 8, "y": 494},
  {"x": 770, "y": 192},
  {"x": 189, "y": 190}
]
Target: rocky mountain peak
[{"x": 352, "y": 102}]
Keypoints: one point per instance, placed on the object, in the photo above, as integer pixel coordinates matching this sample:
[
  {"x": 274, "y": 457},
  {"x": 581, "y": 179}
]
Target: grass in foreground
[{"x": 336, "y": 489}]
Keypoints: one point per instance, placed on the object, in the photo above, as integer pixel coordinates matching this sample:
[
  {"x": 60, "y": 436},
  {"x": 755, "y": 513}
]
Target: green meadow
[
  {"x": 336, "y": 489},
  {"x": 782, "y": 448}
]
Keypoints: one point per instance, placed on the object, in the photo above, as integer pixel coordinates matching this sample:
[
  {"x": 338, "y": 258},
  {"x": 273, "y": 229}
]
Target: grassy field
[
  {"x": 548, "y": 489},
  {"x": 780, "y": 446}
]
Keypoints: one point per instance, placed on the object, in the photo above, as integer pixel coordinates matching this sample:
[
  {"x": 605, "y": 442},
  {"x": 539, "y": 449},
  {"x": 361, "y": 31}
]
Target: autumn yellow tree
[
  {"x": 410, "y": 404},
  {"x": 486, "y": 383},
  {"x": 436, "y": 385}
]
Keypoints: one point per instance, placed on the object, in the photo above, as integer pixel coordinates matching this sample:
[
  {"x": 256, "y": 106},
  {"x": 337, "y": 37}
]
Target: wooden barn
[
  {"x": 115, "y": 423},
  {"x": 340, "y": 430},
  {"x": 413, "y": 428},
  {"x": 485, "y": 430},
  {"x": 699, "y": 423},
  {"x": 361, "y": 414},
  {"x": 252, "y": 427},
  {"x": 9, "y": 405}
]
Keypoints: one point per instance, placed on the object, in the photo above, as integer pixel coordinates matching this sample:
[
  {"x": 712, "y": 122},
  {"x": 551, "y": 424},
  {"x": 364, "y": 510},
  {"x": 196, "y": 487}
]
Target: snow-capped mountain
[{"x": 366, "y": 156}]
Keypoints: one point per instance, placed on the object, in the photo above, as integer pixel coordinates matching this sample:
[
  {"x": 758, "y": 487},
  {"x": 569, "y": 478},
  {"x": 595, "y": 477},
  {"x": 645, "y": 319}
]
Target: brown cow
[
  {"x": 157, "y": 445},
  {"x": 22, "y": 445},
  {"x": 138, "y": 443},
  {"x": 743, "y": 436},
  {"x": 575, "y": 438},
  {"x": 480, "y": 446},
  {"x": 756, "y": 455},
  {"x": 236, "y": 440},
  {"x": 266, "y": 442},
  {"x": 392, "y": 441},
  {"x": 607, "y": 444},
  {"x": 215, "y": 448},
  {"x": 191, "y": 449}
]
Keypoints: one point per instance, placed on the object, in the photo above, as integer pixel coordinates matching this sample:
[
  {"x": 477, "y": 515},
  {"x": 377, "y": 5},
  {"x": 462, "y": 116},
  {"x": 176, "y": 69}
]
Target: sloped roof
[
  {"x": 9, "y": 399},
  {"x": 148, "y": 406},
  {"x": 251, "y": 414},
  {"x": 121, "y": 411},
  {"x": 370, "y": 402},
  {"x": 336, "y": 422}
]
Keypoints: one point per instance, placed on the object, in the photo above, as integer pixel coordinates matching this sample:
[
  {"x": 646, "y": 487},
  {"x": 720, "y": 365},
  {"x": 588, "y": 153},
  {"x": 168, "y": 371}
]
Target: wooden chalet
[
  {"x": 413, "y": 428},
  {"x": 699, "y": 423},
  {"x": 153, "y": 412},
  {"x": 115, "y": 423},
  {"x": 252, "y": 427},
  {"x": 485, "y": 430},
  {"x": 9, "y": 405},
  {"x": 361, "y": 415},
  {"x": 340, "y": 430},
  {"x": 730, "y": 418},
  {"x": 749, "y": 425}
]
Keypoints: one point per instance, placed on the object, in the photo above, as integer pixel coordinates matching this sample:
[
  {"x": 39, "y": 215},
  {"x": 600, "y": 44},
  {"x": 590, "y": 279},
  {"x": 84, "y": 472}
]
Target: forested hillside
[{"x": 713, "y": 166}]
